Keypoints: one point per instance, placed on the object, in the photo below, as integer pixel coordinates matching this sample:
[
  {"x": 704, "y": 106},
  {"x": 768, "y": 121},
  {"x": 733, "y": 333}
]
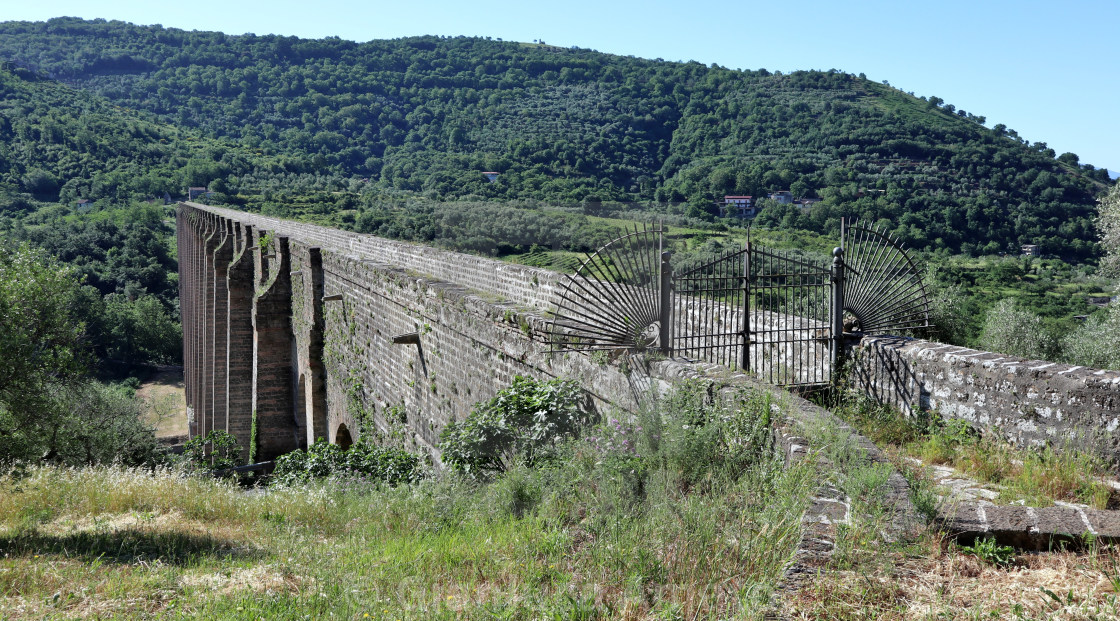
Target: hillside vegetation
[
  {"x": 428, "y": 115},
  {"x": 391, "y": 138}
]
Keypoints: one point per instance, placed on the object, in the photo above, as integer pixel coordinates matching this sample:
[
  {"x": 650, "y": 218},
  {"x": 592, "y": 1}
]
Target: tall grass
[{"x": 683, "y": 511}]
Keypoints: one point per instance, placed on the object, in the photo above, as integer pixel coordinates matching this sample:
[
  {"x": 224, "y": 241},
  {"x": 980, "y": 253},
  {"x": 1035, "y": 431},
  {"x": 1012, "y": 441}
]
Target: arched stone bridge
[{"x": 292, "y": 332}]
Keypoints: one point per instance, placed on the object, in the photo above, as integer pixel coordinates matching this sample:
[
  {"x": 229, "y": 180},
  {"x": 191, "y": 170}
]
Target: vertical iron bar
[
  {"x": 666, "y": 311},
  {"x": 770, "y": 309},
  {"x": 837, "y": 326},
  {"x": 708, "y": 319}
]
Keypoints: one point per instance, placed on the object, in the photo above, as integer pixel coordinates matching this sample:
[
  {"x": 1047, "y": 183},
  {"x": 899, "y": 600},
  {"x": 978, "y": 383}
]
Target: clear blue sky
[{"x": 1045, "y": 69}]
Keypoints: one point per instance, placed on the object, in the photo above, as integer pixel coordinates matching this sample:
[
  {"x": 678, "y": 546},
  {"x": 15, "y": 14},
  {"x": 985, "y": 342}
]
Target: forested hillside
[
  {"x": 428, "y": 115},
  {"x": 61, "y": 147}
]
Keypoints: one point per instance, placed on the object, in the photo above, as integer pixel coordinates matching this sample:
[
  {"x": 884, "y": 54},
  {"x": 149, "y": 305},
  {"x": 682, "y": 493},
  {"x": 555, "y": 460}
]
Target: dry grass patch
[
  {"x": 163, "y": 395},
  {"x": 949, "y": 584},
  {"x": 266, "y": 578}
]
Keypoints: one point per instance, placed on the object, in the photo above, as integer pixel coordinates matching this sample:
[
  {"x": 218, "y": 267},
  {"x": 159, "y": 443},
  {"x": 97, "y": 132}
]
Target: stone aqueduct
[{"x": 294, "y": 332}]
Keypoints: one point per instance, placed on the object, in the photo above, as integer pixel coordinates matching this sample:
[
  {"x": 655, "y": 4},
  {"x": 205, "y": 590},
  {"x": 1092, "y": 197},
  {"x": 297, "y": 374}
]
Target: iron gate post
[
  {"x": 836, "y": 320},
  {"x": 665, "y": 312},
  {"x": 745, "y": 355}
]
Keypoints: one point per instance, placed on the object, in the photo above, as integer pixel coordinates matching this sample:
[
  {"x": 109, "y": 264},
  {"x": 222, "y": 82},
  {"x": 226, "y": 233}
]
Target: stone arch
[
  {"x": 342, "y": 437},
  {"x": 299, "y": 401}
]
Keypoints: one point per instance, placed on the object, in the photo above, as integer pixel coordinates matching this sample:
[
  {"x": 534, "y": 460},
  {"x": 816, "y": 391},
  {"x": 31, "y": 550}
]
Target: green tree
[
  {"x": 89, "y": 423},
  {"x": 1108, "y": 223},
  {"x": 141, "y": 330},
  {"x": 40, "y": 343},
  {"x": 1009, "y": 329},
  {"x": 49, "y": 409}
]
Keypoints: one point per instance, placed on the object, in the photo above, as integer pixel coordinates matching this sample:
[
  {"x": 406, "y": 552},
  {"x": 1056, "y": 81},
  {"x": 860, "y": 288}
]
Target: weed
[
  {"x": 922, "y": 492},
  {"x": 991, "y": 552}
]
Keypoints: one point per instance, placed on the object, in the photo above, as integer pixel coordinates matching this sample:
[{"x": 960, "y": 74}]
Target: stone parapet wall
[
  {"x": 519, "y": 284},
  {"x": 1030, "y": 402}
]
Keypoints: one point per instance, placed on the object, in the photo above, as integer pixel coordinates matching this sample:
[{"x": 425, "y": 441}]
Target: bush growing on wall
[{"x": 524, "y": 421}]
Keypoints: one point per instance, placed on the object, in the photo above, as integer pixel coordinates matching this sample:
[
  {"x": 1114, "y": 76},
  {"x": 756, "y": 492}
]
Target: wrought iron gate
[
  {"x": 772, "y": 313},
  {"x": 758, "y": 310}
]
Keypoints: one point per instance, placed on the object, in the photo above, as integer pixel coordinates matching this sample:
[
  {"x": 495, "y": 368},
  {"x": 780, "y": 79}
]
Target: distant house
[
  {"x": 1030, "y": 250},
  {"x": 737, "y": 207},
  {"x": 782, "y": 197},
  {"x": 193, "y": 193},
  {"x": 83, "y": 204},
  {"x": 491, "y": 176},
  {"x": 806, "y": 203}
]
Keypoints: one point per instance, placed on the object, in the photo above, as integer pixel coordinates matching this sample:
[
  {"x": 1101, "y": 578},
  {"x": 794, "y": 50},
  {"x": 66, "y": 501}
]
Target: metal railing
[{"x": 772, "y": 313}]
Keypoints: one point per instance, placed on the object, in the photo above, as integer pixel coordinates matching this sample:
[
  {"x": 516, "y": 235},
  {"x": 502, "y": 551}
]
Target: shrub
[
  {"x": 990, "y": 552},
  {"x": 376, "y": 463},
  {"x": 217, "y": 450},
  {"x": 525, "y": 421}
]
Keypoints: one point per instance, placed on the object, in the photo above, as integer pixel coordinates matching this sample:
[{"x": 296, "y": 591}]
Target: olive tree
[
  {"x": 1097, "y": 342},
  {"x": 1009, "y": 329},
  {"x": 1108, "y": 223}
]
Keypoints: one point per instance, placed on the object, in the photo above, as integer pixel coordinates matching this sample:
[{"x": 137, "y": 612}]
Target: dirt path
[{"x": 165, "y": 404}]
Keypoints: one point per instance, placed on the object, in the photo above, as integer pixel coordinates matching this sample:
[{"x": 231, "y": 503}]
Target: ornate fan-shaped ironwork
[
  {"x": 613, "y": 299},
  {"x": 884, "y": 292}
]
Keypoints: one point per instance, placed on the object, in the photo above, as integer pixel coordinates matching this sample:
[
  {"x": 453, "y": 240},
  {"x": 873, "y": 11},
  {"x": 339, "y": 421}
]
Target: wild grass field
[
  {"x": 674, "y": 519},
  {"x": 685, "y": 511}
]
